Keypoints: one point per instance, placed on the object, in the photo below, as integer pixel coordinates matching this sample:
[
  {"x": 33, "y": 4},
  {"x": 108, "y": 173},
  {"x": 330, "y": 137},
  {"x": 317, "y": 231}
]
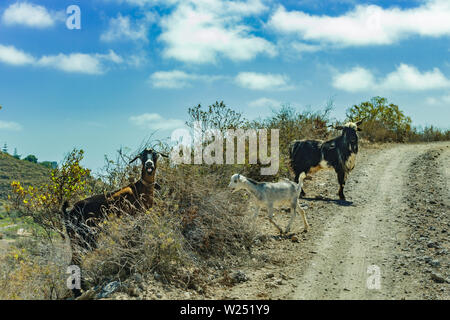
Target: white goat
[{"x": 272, "y": 194}]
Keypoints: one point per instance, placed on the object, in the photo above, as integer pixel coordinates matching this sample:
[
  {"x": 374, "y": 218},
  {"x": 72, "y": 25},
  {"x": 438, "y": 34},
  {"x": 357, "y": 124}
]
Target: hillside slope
[{"x": 26, "y": 172}]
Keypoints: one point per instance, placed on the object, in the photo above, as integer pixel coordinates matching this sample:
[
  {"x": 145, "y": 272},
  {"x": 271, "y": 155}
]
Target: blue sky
[{"x": 135, "y": 66}]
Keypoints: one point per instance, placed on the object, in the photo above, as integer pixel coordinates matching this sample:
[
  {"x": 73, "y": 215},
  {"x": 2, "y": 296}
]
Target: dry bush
[
  {"x": 428, "y": 134},
  {"x": 195, "y": 223},
  {"x": 33, "y": 270},
  {"x": 293, "y": 125},
  {"x": 376, "y": 131},
  {"x": 213, "y": 219},
  {"x": 144, "y": 243}
]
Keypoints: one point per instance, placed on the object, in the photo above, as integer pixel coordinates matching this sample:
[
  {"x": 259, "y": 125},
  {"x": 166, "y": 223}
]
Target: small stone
[
  {"x": 157, "y": 276},
  {"x": 437, "y": 277},
  {"x": 134, "y": 292},
  {"x": 432, "y": 244},
  {"x": 434, "y": 263},
  {"x": 108, "y": 289},
  {"x": 239, "y": 277}
]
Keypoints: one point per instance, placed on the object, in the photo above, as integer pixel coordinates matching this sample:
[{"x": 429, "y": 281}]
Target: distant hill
[{"x": 26, "y": 172}]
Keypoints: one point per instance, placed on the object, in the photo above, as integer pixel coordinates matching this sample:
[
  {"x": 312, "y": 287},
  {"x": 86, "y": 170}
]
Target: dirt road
[
  {"x": 389, "y": 241},
  {"x": 364, "y": 239}
]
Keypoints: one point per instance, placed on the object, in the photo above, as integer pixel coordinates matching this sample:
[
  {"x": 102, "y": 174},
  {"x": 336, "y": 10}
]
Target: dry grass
[
  {"x": 33, "y": 270},
  {"x": 194, "y": 225}
]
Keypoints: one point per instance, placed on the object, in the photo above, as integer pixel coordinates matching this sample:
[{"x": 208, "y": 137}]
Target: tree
[
  {"x": 31, "y": 158},
  {"x": 383, "y": 121},
  {"x": 5, "y": 148},
  {"x": 216, "y": 116},
  {"x": 16, "y": 155}
]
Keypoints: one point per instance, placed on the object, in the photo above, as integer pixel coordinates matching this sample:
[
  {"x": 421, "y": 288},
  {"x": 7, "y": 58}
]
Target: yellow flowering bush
[{"x": 43, "y": 203}]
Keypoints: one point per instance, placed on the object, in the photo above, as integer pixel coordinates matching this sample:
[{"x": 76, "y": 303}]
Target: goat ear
[
  {"x": 359, "y": 129},
  {"x": 134, "y": 159}
]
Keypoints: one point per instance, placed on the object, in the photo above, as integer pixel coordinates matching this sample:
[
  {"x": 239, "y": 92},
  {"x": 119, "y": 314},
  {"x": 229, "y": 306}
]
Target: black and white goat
[
  {"x": 310, "y": 156},
  {"x": 271, "y": 195}
]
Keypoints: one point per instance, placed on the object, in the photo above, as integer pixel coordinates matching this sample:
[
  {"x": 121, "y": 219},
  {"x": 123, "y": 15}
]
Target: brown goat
[{"x": 81, "y": 220}]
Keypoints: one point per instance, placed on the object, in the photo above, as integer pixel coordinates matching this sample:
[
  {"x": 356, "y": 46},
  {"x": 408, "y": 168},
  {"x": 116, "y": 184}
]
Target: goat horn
[
  {"x": 361, "y": 121},
  {"x": 134, "y": 159}
]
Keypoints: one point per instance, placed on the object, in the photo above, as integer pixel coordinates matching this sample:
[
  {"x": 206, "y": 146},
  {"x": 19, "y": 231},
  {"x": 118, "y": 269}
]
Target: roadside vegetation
[{"x": 193, "y": 229}]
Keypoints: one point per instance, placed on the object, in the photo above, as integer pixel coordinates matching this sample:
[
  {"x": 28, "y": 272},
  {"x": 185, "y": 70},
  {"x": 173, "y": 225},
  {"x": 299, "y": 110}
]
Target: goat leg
[
  {"x": 255, "y": 215},
  {"x": 305, "y": 222},
  {"x": 293, "y": 215},
  {"x": 270, "y": 216}
]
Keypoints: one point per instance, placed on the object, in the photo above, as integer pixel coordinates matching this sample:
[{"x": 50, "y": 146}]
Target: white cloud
[
  {"x": 80, "y": 62},
  {"x": 366, "y": 24},
  {"x": 442, "y": 100},
  {"x": 262, "y": 81},
  {"x": 409, "y": 78},
  {"x": 358, "y": 79},
  {"x": 10, "y": 125},
  {"x": 264, "y": 103},
  {"x": 13, "y": 56},
  {"x": 73, "y": 62},
  {"x": 123, "y": 29},
  {"x": 404, "y": 78},
  {"x": 30, "y": 15},
  {"x": 139, "y": 3},
  {"x": 200, "y": 31},
  {"x": 112, "y": 56},
  {"x": 301, "y": 47},
  {"x": 154, "y": 121},
  {"x": 177, "y": 79}
]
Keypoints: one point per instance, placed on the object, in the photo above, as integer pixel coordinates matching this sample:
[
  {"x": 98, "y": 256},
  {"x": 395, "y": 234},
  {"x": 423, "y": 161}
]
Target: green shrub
[
  {"x": 31, "y": 158},
  {"x": 383, "y": 122},
  {"x": 43, "y": 203}
]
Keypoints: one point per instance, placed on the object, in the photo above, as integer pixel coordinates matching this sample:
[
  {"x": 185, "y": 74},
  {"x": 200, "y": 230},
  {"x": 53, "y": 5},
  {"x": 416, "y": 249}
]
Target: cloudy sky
[{"x": 136, "y": 65}]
